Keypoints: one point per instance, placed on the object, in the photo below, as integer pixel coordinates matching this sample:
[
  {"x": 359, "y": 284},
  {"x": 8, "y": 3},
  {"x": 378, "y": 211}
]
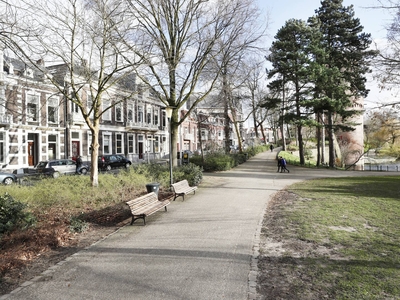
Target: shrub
[
  {"x": 77, "y": 225},
  {"x": 160, "y": 173},
  {"x": 12, "y": 214}
]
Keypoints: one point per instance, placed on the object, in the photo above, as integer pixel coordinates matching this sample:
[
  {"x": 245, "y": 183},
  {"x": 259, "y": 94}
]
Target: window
[
  {"x": 74, "y": 106},
  {"x": 131, "y": 144},
  {"x": 156, "y": 116},
  {"x": 164, "y": 118},
  {"x": 149, "y": 144},
  {"x": 2, "y": 105},
  {"x": 106, "y": 114},
  {"x": 33, "y": 108},
  {"x": 140, "y": 113},
  {"x": 2, "y": 147},
  {"x": 89, "y": 139},
  {"x": 118, "y": 112},
  {"x": 149, "y": 115},
  {"x": 52, "y": 110},
  {"x": 156, "y": 144},
  {"x": 118, "y": 143},
  {"x": 106, "y": 144},
  {"x": 89, "y": 105},
  {"x": 130, "y": 112}
]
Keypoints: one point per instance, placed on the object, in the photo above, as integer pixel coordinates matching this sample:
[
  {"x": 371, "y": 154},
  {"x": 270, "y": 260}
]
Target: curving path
[{"x": 203, "y": 248}]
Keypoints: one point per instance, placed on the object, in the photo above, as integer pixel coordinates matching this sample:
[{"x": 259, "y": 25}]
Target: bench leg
[
  {"x": 177, "y": 195},
  {"x": 139, "y": 217}
]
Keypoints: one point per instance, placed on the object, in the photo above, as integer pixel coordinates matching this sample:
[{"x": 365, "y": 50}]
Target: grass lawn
[{"x": 353, "y": 225}]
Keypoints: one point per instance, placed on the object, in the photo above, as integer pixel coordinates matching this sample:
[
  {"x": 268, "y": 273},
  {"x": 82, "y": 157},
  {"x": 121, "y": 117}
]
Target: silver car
[
  {"x": 59, "y": 167},
  {"x": 7, "y": 178}
]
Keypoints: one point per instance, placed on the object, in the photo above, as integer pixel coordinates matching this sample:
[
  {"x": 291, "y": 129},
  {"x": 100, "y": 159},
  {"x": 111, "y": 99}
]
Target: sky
[{"x": 373, "y": 20}]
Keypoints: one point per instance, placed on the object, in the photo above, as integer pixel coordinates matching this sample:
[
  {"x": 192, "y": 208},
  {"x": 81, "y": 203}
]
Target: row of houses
[{"x": 37, "y": 122}]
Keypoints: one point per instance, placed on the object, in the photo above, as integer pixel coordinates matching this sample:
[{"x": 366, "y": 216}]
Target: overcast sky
[{"x": 373, "y": 20}]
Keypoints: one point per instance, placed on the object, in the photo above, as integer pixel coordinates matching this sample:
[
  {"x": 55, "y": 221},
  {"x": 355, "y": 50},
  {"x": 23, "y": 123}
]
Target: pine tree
[
  {"x": 292, "y": 62},
  {"x": 342, "y": 65}
]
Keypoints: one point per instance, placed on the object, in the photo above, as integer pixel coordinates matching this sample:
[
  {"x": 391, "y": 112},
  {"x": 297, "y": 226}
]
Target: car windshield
[{"x": 41, "y": 164}]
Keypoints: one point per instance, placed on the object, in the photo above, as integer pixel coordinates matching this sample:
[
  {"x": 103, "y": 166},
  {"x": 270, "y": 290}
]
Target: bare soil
[{"x": 285, "y": 261}]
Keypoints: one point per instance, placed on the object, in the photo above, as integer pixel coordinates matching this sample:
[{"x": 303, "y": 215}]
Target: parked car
[
  {"x": 108, "y": 162},
  {"x": 7, "y": 178},
  {"x": 59, "y": 167}
]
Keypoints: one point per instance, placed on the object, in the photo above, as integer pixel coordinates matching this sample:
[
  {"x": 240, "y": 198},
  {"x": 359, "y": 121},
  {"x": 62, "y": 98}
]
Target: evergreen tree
[
  {"x": 293, "y": 63},
  {"x": 342, "y": 65}
]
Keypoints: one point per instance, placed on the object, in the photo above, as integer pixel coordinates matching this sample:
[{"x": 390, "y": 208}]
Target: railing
[
  {"x": 6, "y": 119},
  {"x": 141, "y": 125}
]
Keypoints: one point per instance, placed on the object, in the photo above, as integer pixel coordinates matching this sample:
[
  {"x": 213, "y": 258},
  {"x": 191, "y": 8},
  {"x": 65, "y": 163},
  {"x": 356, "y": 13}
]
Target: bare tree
[
  {"x": 241, "y": 40},
  {"x": 82, "y": 41},
  {"x": 176, "y": 40},
  {"x": 179, "y": 39}
]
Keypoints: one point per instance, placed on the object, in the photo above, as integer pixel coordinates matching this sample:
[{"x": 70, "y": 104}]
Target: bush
[
  {"x": 219, "y": 161},
  {"x": 12, "y": 214},
  {"x": 160, "y": 173}
]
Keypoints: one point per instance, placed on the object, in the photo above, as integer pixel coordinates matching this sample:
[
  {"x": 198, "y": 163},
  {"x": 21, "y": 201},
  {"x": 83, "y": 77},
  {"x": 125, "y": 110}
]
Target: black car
[{"x": 112, "y": 161}]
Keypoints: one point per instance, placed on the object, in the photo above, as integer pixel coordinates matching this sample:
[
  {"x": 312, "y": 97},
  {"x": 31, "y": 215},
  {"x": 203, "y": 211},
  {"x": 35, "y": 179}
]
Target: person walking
[
  {"x": 78, "y": 163},
  {"x": 271, "y": 147},
  {"x": 283, "y": 165},
  {"x": 279, "y": 164}
]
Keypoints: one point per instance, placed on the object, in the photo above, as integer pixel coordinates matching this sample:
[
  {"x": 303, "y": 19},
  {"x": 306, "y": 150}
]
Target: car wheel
[
  {"x": 56, "y": 174},
  {"x": 108, "y": 167},
  {"x": 8, "y": 181},
  {"x": 127, "y": 165},
  {"x": 83, "y": 171}
]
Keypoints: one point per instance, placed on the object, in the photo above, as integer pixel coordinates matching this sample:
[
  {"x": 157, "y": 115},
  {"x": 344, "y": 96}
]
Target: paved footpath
[{"x": 203, "y": 248}]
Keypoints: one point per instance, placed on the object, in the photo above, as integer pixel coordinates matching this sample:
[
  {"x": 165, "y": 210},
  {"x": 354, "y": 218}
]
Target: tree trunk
[
  {"x": 94, "y": 171},
  {"x": 301, "y": 145},
  {"x": 331, "y": 141}
]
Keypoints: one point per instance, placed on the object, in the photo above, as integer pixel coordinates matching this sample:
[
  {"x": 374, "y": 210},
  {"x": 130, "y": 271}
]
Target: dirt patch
[
  {"x": 26, "y": 254},
  {"x": 283, "y": 256}
]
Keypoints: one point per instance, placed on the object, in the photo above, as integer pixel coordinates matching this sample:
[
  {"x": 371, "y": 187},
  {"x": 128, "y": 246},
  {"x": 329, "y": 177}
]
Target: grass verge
[{"x": 349, "y": 232}]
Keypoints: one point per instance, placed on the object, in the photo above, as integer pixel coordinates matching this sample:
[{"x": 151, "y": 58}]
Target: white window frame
[
  {"x": 131, "y": 112},
  {"x": 156, "y": 116},
  {"x": 131, "y": 143},
  {"x": 156, "y": 144},
  {"x": 89, "y": 105},
  {"x": 53, "y": 102},
  {"x": 89, "y": 139},
  {"x": 32, "y": 99},
  {"x": 140, "y": 116},
  {"x": 106, "y": 115},
  {"x": 119, "y": 138},
  {"x": 107, "y": 143},
  {"x": 149, "y": 115},
  {"x": 119, "y": 115},
  {"x": 2, "y": 146}
]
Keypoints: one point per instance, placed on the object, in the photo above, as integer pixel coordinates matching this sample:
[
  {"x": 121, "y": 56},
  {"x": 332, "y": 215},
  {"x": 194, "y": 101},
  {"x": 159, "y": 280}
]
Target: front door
[
  {"x": 31, "y": 153},
  {"x": 75, "y": 149},
  {"x": 140, "y": 145}
]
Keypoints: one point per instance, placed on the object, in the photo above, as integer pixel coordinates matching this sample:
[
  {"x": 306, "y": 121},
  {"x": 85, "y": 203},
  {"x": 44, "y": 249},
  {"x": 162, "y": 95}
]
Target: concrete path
[{"x": 202, "y": 248}]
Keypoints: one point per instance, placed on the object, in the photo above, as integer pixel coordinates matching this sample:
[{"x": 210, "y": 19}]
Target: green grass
[{"x": 358, "y": 220}]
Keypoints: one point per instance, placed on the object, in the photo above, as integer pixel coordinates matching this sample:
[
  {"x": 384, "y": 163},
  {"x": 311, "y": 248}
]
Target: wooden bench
[
  {"x": 182, "y": 188},
  {"x": 145, "y": 206}
]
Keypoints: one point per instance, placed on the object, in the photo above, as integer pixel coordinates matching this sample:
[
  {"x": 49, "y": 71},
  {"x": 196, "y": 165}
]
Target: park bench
[
  {"x": 145, "y": 206},
  {"x": 182, "y": 188}
]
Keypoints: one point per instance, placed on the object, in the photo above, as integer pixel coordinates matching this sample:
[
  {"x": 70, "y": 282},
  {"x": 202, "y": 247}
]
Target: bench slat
[
  {"x": 182, "y": 188},
  {"x": 145, "y": 205}
]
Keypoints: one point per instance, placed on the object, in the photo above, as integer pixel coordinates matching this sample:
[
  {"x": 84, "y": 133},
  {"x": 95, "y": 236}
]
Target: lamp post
[{"x": 168, "y": 112}]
